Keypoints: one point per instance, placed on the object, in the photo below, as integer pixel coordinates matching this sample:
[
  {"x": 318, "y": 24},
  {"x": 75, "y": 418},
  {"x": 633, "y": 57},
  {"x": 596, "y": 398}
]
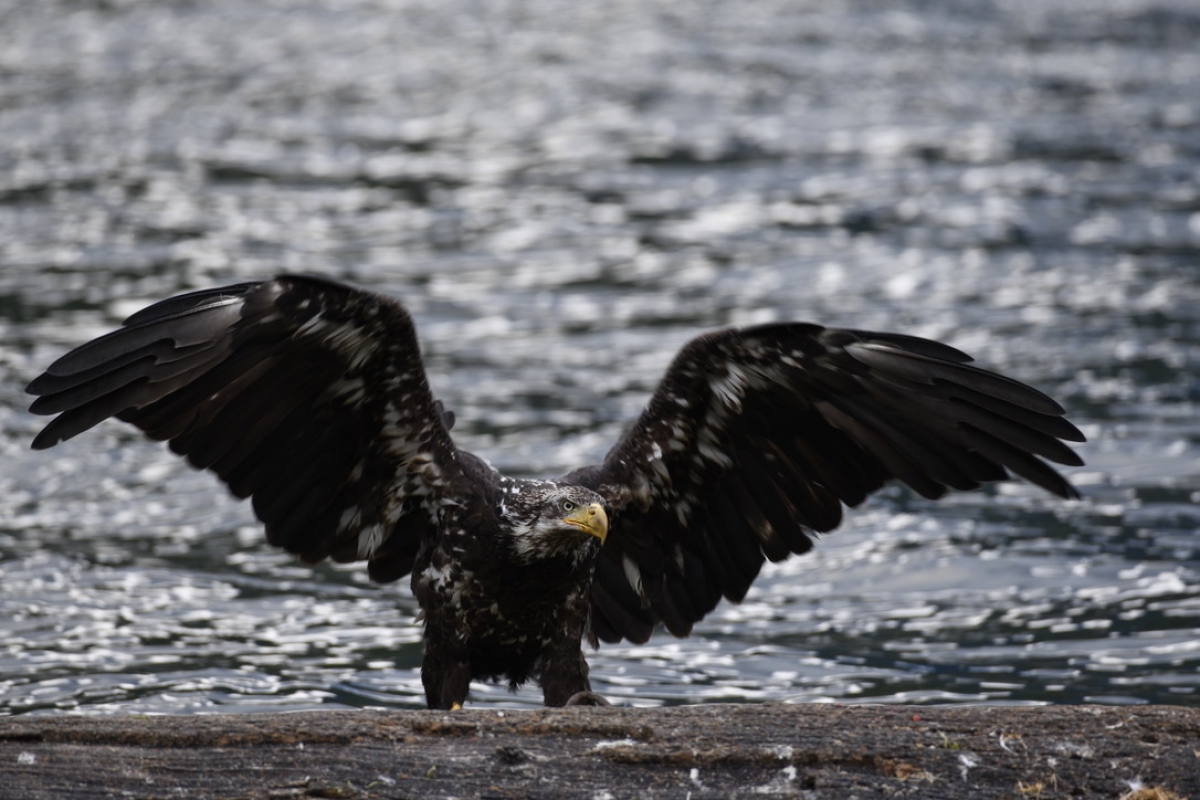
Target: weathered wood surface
[{"x": 716, "y": 751}]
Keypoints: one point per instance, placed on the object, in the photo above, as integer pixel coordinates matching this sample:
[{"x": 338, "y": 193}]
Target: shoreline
[{"x": 816, "y": 751}]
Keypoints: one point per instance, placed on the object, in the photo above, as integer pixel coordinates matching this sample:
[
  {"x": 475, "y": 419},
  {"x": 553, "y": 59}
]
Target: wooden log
[{"x": 712, "y": 751}]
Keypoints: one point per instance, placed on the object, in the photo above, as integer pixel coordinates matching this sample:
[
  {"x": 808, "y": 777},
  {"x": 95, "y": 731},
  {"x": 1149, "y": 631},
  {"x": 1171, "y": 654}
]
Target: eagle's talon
[{"x": 587, "y": 699}]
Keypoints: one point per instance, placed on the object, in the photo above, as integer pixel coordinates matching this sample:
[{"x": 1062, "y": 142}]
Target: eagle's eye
[{"x": 568, "y": 506}]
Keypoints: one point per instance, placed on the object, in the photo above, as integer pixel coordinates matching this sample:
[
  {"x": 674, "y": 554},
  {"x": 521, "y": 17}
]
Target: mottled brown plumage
[{"x": 309, "y": 396}]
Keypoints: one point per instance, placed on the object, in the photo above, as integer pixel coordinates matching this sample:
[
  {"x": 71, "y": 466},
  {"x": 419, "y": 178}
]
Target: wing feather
[
  {"x": 742, "y": 551},
  {"x": 754, "y": 507},
  {"x": 304, "y": 394},
  {"x": 618, "y": 612},
  {"x": 756, "y": 438},
  {"x": 817, "y": 500},
  {"x": 890, "y": 360}
]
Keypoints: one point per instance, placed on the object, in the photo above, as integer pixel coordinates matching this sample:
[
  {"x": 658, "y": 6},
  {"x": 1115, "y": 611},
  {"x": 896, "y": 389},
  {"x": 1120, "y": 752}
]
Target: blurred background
[{"x": 563, "y": 193}]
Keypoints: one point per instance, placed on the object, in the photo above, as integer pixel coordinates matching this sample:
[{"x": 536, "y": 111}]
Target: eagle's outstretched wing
[
  {"x": 303, "y": 393},
  {"x": 756, "y": 438}
]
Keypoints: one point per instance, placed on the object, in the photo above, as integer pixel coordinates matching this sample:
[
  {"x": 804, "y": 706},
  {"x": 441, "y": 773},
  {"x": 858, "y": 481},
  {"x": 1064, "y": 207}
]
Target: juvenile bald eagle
[{"x": 310, "y": 397}]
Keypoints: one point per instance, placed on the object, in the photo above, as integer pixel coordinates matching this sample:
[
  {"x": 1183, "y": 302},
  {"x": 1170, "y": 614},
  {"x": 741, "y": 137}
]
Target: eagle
[{"x": 310, "y": 397}]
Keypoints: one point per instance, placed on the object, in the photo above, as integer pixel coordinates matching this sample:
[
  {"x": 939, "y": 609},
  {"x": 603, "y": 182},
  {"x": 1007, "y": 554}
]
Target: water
[{"x": 563, "y": 194}]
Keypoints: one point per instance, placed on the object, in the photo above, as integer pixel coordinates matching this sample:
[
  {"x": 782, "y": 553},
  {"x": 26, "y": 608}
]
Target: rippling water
[{"x": 563, "y": 194}]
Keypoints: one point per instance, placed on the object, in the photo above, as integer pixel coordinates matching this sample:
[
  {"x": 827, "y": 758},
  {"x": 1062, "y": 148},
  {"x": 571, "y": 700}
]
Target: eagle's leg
[
  {"x": 446, "y": 675},
  {"x": 565, "y": 679}
]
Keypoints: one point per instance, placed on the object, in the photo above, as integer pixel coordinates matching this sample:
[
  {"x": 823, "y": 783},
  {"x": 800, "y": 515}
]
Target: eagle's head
[{"x": 545, "y": 519}]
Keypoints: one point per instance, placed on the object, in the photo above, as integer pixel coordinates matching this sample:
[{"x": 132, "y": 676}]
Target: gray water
[{"x": 563, "y": 193}]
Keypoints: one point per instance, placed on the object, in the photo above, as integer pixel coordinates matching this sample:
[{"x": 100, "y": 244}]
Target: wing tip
[{"x": 45, "y": 440}]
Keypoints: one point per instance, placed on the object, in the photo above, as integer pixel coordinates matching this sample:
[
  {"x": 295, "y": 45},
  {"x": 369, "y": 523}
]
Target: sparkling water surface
[{"x": 563, "y": 194}]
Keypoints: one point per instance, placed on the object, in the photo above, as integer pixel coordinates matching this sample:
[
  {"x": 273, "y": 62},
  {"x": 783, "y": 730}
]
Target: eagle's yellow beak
[{"x": 591, "y": 519}]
